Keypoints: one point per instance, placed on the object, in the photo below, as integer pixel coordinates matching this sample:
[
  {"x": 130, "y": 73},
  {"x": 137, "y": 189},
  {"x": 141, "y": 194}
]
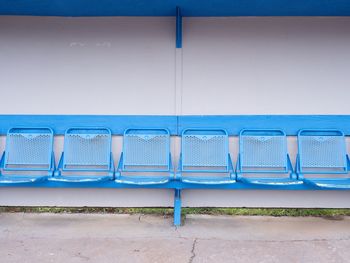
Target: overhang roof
[{"x": 168, "y": 7}]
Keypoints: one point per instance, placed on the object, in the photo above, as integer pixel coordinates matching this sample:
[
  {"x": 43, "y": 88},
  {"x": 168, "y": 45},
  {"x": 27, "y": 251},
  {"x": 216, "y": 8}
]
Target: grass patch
[
  {"x": 295, "y": 212},
  {"x": 86, "y": 210}
]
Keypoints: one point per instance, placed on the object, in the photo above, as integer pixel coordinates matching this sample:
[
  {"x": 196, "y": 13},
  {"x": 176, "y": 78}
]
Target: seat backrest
[
  {"x": 146, "y": 150},
  {"x": 263, "y": 150},
  {"x": 204, "y": 150},
  {"x": 322, "y": 151},
  {"x": 87, "y": 149},
  {"x": 29, "y": 149}
]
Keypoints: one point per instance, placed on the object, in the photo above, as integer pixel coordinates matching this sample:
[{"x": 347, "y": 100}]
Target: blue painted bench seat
[
  {"x": 28, "y": 156},
  {"x": 146, "y": 158},
  {"x": 322, "y": 153},
  {"x": 205, "y": 157},
  {"x": 86, "y": 157},
  {"x": 205, "y": 163},
  {"x": 262, "y": 152}
]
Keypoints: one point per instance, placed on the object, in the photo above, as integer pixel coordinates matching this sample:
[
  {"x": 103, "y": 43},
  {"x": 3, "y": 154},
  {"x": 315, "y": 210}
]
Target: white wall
[
  {"x": 266, "y": 65},
  {"x": 130, "y": 66},
  {"x": 87, "y": 65},
  {"x": 126, "y": 65}
]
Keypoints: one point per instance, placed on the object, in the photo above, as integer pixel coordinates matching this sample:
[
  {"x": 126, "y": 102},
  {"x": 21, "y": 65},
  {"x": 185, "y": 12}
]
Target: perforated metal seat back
[
  {"x": 204, "y": 150},
  {"x": 28, "y": 148},
  {"x": 87, "y": 148},
  {"x": 146, "y": 149},
  {"x": 322, "y": 151},
  {"x": 262, "y": 150}
]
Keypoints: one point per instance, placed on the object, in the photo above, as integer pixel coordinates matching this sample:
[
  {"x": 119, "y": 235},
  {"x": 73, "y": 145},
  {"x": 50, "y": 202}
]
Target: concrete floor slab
[{"x": 139, "y": 238}]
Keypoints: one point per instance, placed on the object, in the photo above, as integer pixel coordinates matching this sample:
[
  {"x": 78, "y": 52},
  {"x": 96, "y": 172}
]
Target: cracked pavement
[{"x": 145, "y": 238}]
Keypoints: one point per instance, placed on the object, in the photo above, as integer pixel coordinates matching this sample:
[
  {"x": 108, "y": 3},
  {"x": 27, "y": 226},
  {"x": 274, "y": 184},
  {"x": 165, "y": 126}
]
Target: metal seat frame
[
  {"x": 264, "y": 151},
  {"x": 193, "y": 139},
  {"x": 78, "y": 167},
  {"x": 328, "y": 157},
  {"x": 31, "y": 159},
  {"x": 145, "y": 150}
]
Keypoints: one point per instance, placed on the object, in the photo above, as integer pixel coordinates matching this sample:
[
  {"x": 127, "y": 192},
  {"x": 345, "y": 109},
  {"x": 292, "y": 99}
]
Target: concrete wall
[
  {"x": 127, "y": 65},
  {"x": 130, "y": 66},
  {"x": 87, "y": 65},
  {"x": 266, "y": 66}
]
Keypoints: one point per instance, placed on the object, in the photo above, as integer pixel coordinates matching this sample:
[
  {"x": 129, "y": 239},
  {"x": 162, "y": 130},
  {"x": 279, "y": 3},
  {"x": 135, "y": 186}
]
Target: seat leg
[{"x": 177, "y": 207}]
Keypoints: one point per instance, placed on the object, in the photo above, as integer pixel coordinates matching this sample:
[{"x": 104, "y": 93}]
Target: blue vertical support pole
[
  {"x": 178, "y": 28},
  {"x": 177, "y": 207},
  {"x": 177, "y": 196}
]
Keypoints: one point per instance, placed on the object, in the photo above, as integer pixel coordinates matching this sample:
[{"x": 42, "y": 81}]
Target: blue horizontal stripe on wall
[
  {"x": 232, "y": 123},
  {"x": 291, "y": 124},
  {"x": 168, "y": 7},
  {"x": 59, "y": 123}
]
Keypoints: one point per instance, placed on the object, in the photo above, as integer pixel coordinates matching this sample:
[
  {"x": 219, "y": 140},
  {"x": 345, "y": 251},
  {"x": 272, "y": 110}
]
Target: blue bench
[
  {"x": 264, "y": 152},
  {"x": 205, "y": 157},
  {"x": 86, "y": 157},
  {"x": 322, "y": 160},
  {"x": 146, "y": 152},
  {"x": 28, "y": 156},
  {"x": 204, "y": 163}
]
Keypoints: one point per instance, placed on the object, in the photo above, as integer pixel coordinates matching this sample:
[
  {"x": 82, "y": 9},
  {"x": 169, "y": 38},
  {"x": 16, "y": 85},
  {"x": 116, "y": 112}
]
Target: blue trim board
[
  {"x": 60, "y": 123},
  {"x": 170, "y": 185},
  {"x": 168, "y": 7},
  {"x": 291, "y": 124}
]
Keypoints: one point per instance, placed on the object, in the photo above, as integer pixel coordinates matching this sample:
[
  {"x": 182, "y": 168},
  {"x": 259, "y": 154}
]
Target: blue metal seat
[
  {"x": 322, "y": 153},
  {"x": 146, "y": 158},
  {"x": 205, "y": 157},
  {"x": 28, "y": 156},
  {"x": 261, "y": 152},
  {"x": 86, "y": 157}
]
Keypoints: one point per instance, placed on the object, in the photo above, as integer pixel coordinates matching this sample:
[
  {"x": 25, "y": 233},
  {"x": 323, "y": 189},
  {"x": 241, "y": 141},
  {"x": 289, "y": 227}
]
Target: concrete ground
[{"x": 136, "y": 238}]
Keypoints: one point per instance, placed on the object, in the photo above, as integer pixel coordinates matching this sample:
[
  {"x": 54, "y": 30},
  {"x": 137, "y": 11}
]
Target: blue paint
[
  {"x": 264, "y": 152},
  {"x": 60, "y": 123},
  {"x": 323, "y": 152},
  {"x": 202, "y": 128},
  {"x": 329, "y": 184},
  {"x": 233, "y": 124},
  {"x": 86, "y": 150},
  {"x": 28, "y": 156},
  {"x": 198, "y": 145},
  {"x": 205, "y": 151},
  {"x": 177, "y": 207},
  {"x": 178, "y": 28},
  {"x": 290, "y": 124},
  {"x": 38, "y": 145},
  {"x": 168, "y": 7},
  {"x": 147, "y": 152},
  {"x": 175, "y": 184}
]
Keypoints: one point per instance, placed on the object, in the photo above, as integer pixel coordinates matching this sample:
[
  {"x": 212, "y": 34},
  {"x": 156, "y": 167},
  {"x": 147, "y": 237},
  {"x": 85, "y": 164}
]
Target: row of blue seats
[{"x": 204, "y": 158}]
